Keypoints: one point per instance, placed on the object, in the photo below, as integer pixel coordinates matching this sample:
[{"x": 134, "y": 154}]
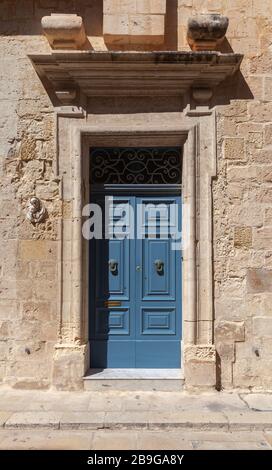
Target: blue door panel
[
  {"x": 117, "y": 283},
  {"x": 158, "y": 321},
  {"x": 158, "y": 285},
  {"x": 158, "y": 354},
  {"x": 112, "y": 354},
  {"x": 112, "y": 322},
  {"x": 142, "y": 326}
]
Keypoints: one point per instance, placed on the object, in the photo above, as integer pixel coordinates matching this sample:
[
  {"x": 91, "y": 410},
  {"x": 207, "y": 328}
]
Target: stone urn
[{"x": 206, "y": 31}]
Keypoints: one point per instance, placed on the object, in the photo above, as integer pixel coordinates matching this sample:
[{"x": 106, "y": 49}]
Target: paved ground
[
  {"x": 134, "y": 420},
  {"x": 134, "y": 440}
]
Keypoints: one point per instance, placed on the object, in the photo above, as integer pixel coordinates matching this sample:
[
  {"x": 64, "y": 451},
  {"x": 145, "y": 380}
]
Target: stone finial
[
  {"x": 36, "y": 211},
  {"x": 206, "y": 31},
  {"x": 64, "y": 31}
]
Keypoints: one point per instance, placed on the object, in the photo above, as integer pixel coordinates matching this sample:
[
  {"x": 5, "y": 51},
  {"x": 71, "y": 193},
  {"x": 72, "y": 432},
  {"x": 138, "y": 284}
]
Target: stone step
[
  {"x": 133, "y": 420},
  {"x": 134, "y": 380}
]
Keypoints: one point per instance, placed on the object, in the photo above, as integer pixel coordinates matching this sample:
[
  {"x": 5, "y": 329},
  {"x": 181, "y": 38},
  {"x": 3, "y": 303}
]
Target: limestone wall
[{"x": 242, "y": 193}]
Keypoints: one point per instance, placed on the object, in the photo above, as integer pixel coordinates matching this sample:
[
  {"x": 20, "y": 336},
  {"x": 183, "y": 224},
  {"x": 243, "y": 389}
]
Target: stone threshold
[
  {"x": 134, "y": 379},
  {"x": 125, "y": 374}
]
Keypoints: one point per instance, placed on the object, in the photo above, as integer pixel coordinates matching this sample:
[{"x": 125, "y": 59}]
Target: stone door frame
[{"x": 76, "y": 132}]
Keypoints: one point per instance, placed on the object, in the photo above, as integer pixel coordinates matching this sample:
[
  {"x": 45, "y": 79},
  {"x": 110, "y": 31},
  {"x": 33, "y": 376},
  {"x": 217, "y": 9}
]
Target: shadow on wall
[
  {"x": 171, "y": 25},
  {"x": 233, "y": 88},
  {"x": 27, "y": 20},
  {"x": 170, "y": 42},
  {"x": 13, "y": 21}
]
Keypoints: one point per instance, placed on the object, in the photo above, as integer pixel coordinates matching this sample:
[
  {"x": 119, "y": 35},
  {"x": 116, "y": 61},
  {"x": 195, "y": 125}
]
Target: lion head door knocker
[{"x": 36, "y": 212}]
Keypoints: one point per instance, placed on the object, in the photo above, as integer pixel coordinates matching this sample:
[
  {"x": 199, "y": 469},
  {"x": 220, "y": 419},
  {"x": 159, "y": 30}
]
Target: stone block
[
  {"x": 151, "y": 6},
  {"x": 236, "y": 109},
  {"x": 229, "y": 331},
  {"x": 262, "y": 156},
  {"x": 69, "y": 367},
  {"x": 37, "y": 250},
  {"x": 268, "y": 88},
  {"x": 3, "y": 347},
  {"x": 47, "y": 191},
  {"x": 259, "y": 280},
  {"x": 243, "y": 237},
  {"x": 43, "y": 270},
  {"x": 115, "y": 25},
  {"x": 119, "y": 7},
  {"x": 134, "y": 22},
  {"x": 268, "y": 134},
  {"x": 260, "y": 112},
  {"x": 242, "y": 214},
  {"x": 262, "y": 326},
  {"x": 234, "y": 148},
  {"x": 225, "y": 351},
  {"x": 200, "y": 375},
  {"x": 262, "y": 238},
  {"x": 147, "y": 25},
  {"x": 8, "y": 309},
  {"x": 268, "y": 216},
  {"x": 199, "y": 366}
]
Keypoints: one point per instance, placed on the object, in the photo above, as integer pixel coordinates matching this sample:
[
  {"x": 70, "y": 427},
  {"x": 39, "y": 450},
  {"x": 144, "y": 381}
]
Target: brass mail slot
[{"x": 112, "y": 303}]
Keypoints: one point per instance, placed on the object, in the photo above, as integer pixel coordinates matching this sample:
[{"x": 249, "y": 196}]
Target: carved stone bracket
[
  {"x": 36, "y": 211},
  {"x": 206, "y": 31},
  {"x": 202, "y": 95},
  {"x": 64, "y": 31}
]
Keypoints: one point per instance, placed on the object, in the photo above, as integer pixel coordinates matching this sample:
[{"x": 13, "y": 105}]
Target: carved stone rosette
[{"x": 36, "y": 212}]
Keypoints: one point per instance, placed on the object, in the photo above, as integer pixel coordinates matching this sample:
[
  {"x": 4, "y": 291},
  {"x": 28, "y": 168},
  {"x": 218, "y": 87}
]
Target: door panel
[
  {"x": 158, "y": 320},
  {"x": 158, "y": 327},
  {"x": 112, "y": 330},
  {"x": 136, "y": 309},
  {"x": 112, "y": 322}
]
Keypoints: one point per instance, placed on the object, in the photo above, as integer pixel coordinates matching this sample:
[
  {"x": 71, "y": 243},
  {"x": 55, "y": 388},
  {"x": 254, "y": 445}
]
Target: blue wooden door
[{"x": 135, "y": 301}]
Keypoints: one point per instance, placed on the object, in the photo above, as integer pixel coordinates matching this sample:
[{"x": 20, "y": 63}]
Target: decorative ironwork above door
[{"x": 135, "y": 165}]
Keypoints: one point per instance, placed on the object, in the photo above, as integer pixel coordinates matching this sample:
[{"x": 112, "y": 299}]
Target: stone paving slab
[
  {"x": 268, "y": 437},
  {"x": 259, "y": 401},
  {"x": 83, "y": 420},
  {"x": 131, "y": 440},
  {"x": 4, "y": 416},
  {"x": 34, "y": 419},
  {"x": 250, "y": 420},
  {"x": 138, "y": 420},
  {"x": 131, "y": 410}
]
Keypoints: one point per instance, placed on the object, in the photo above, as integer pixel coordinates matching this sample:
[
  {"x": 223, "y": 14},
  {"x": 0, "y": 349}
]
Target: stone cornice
[{"x": 133, "y": 73}]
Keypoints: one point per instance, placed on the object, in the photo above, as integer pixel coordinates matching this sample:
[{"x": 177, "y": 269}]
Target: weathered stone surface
[
  {"x": 259, "y": 401},
  {"x": 64, "y": 31},
  {"x": 37, "y": 419},
  {"x": 200, "y": 375},
  {"x": 226, "y": 351},
  {"x": 206, "y": 31},
  {"x": 234, "y": 149},
  {"x": 134, "y": 22},
  {"x": 259, "y": 280},
  {"x": 230, "y": 331},
  {"x": 243, "y": 237},
  {"x": 262, "y": 326}
]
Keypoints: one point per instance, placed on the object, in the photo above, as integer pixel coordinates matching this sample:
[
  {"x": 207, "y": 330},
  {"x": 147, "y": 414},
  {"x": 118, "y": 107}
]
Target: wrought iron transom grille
[{"x": 130, "y": 165}]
